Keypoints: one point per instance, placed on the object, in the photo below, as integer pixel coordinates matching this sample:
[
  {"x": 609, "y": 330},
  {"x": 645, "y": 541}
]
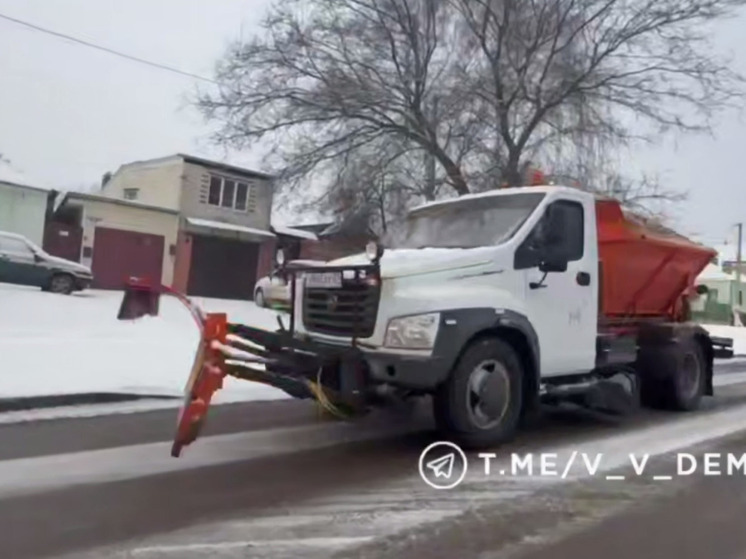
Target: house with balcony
[{"x": 201, "y": 226}]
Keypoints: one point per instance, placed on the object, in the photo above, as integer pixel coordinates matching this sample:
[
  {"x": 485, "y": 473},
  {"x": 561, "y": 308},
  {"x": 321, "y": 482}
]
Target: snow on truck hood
[{"x": 410, "y": 261}]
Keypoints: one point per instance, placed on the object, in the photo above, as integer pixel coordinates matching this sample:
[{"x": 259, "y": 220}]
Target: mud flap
[{"x": 206, "y": 378}]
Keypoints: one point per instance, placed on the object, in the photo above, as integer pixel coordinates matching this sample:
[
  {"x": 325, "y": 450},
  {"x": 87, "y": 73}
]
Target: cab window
[{"x": 570, "y": 244}]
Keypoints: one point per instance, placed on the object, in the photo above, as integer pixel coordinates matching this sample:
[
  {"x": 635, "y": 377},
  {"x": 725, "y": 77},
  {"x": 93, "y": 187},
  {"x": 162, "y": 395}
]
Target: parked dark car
[{"x": 24, "y": 263}]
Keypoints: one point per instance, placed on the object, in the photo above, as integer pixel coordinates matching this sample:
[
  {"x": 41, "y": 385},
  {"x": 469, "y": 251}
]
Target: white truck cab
[{"x": 479, "y": 252}]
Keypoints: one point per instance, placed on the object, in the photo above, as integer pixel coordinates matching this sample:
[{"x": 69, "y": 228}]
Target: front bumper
[
  {"x": 412, "y": 372},
  {"x": 348, "y": 370}
]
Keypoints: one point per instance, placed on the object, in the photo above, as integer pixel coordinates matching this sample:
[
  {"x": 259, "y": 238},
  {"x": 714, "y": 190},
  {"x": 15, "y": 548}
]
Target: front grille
[{"x": 349, "y": 311}]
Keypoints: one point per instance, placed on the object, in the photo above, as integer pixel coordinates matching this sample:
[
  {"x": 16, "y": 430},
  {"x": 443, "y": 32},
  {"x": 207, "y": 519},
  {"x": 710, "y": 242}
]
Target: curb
[{"x": 25, "y": 403}]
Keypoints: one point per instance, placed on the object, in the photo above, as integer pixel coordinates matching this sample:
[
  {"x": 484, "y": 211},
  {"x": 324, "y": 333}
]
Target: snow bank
[{"x": 52, "y": 344}]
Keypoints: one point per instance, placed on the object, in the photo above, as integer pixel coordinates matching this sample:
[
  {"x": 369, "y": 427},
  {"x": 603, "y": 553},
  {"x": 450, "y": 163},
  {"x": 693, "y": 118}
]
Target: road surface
[{"x": 270, "y": 480}]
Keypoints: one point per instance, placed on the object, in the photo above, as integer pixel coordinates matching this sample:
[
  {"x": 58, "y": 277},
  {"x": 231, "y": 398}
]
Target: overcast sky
[{"x": 69, "y": 113}]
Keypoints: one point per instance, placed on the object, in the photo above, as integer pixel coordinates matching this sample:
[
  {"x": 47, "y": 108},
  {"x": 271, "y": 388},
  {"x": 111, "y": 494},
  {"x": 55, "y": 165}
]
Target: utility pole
[{"x": 738, "y": 264}]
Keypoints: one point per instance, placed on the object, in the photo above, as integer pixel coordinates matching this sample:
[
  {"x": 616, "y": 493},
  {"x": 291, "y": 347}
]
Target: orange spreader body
[{"x": 646, "y": 272}]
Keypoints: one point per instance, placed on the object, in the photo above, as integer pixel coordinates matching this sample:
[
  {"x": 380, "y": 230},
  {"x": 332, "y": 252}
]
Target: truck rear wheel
[
  {"x": 681, "y": 379},
  {"x": 480, "y": 403}
]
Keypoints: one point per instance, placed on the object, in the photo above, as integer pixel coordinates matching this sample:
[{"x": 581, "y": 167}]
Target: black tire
[
  {"x": 259, "y": 298},
  {"x": 683, "y": 379},
  {"x": 460, "y": 411},
  {"x": 62, "y": 283}
]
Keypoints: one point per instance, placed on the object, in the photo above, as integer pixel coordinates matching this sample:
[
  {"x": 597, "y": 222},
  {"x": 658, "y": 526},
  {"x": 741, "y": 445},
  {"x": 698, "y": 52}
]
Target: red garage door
[{"x": 119, "y": 255}]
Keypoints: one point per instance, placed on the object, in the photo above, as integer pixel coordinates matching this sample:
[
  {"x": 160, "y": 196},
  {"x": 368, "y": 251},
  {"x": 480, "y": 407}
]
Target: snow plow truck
[{"x": 490, "y": 304}]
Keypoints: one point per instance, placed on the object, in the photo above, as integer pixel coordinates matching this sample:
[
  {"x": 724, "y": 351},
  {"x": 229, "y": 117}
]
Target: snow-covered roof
[
  {"x": 713, "y": 273},
  {"x": 69, "y": 195},
  {"x": 228, "y": 227},
  {"x": 493, "y": 193},
  {"x": 9, "y": 174},
  {"x": 291, "y": 232},
  {"x": 630, "y": 213},
  {"x": 25, "y": 186}
]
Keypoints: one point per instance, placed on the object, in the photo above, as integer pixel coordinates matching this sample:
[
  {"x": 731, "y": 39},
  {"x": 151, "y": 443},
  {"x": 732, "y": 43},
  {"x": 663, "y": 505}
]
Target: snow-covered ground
[{"x": 52, "y": 344}]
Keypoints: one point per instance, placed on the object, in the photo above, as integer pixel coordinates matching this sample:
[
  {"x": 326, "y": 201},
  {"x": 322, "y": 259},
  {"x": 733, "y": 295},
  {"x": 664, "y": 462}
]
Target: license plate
[{"x": 326, "y": 279}]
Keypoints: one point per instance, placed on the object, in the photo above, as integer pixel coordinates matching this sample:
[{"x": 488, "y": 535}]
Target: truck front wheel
[{"x": 480, "y": 403}]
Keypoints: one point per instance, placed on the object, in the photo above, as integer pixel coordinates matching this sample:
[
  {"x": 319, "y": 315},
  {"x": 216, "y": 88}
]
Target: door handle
[{"x": 583, "y": 278}]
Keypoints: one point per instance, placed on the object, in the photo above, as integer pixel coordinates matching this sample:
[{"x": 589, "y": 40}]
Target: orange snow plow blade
[
  {"x": 208, "y": 368},
  {"x": 332, "y": 376},
  {"x": 205, "y": 378}
]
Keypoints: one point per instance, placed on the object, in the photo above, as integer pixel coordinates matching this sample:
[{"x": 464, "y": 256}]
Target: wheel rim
[
  {"x": 260, "y": 298},
  {"x": 689, "y": 376},
  {"x": 60, "y": 284},
  {"x": 488, "y": 394}
]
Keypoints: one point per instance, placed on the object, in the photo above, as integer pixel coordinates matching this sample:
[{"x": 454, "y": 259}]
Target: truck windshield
[{"x": 470, "y": 223}]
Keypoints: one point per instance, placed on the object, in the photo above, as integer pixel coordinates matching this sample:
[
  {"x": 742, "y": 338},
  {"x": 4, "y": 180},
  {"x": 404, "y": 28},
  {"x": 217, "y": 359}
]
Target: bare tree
[
  {"x": 334, "y": 79},
  {"x": 365, "y": 95},
  {"x": 560, "y": 71}
]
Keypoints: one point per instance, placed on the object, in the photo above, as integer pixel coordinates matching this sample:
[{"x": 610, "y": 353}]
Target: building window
[
  {"x": 242, "y": 194},
  {"x": 131, "y": 193},
  {"x": 228, "y": 193},
  {"x": 216, "y": 185}
]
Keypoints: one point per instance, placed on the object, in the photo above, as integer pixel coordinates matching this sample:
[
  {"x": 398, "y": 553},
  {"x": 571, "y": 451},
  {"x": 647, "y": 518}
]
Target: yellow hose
[{"x": 321, "y": 397}]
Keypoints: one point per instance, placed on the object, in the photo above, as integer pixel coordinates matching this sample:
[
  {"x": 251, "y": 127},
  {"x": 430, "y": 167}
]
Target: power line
[{"x": 106, "y": 49}]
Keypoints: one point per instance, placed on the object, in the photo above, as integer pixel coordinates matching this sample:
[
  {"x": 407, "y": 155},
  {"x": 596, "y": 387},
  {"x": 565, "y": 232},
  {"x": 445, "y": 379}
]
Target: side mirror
[{"x": 38, "y": 258}]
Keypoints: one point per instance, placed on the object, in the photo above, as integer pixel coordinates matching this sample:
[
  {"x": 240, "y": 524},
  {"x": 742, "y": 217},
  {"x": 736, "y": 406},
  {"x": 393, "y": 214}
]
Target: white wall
[
  {"x": 158, "y": 182},
  {"x": 22, "y": 211}
]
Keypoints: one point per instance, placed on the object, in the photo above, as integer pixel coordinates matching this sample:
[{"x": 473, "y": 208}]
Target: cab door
[{"x": 562, "y": 305}]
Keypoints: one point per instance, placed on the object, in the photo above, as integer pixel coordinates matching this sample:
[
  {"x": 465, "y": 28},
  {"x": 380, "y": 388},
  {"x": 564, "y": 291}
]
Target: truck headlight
[{"x": 412, "y": 332}]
